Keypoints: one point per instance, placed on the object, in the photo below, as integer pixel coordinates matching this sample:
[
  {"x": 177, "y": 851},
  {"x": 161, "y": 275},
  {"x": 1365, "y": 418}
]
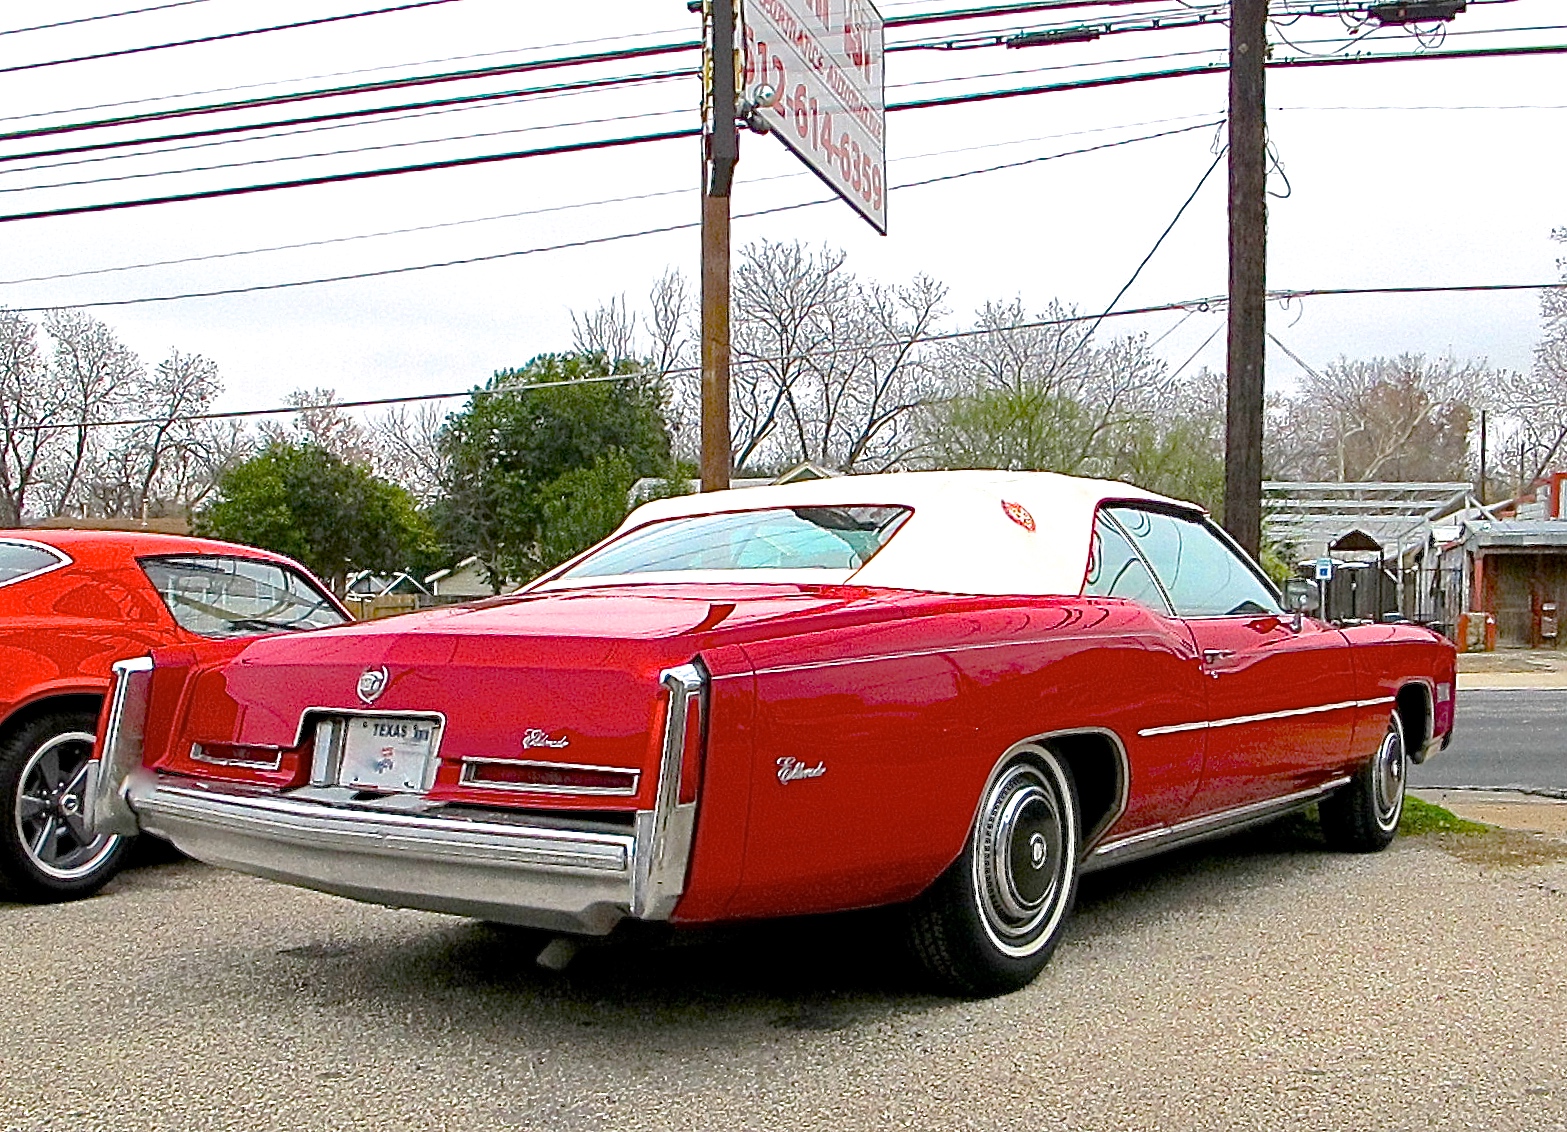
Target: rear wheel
[
  {"x": 46, "y": 850},
  {"x": 990, "y": 922},
  {"x": 1363, "y": 816}
]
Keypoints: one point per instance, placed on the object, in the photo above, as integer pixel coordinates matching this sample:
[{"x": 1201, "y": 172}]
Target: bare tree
[
  {"x": 1529, "y": 410},
  {"x": 1036, "y": 393},
  {"x": 827, "y": 367},
  {"x": 1403, "y": 418},
  {"x": 610, "y": 330},
  {"x": 27, "y": 401},
  {"x": 169, "y": 463},
  {"x": 320, "y": 422},
  {"x": 95, "y": 377},
  {"x": 407, "y": 448}
]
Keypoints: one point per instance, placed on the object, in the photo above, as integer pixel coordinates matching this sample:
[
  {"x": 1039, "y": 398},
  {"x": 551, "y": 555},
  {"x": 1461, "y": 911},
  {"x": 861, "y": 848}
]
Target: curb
[{"x": 1523, "y": 811}]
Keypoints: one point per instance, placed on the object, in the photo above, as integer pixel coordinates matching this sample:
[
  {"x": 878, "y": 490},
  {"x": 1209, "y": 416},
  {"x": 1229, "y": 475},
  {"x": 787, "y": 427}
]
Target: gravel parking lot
[{"x": 1260, "y": 983}]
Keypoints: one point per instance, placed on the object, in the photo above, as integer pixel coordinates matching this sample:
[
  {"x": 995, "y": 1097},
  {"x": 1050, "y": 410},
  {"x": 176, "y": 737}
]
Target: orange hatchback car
[{"x": 71, "y": 604}]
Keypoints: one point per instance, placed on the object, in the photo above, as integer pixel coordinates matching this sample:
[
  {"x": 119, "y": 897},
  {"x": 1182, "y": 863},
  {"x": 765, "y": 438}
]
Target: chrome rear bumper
[
  {"x": 559, "y": 878},
  {"x": 552, "y": 871}
]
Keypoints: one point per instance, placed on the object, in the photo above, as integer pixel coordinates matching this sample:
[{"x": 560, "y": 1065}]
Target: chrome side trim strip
[
  {"x": 471, "y": 763},
  {"x": 664, "y": 833},
  {"x": 1260, "y": 717},
  {"x": 1153, "y": 841},
  {"x": 110, "y": 770},
  {"x": 838, "y": 662}
]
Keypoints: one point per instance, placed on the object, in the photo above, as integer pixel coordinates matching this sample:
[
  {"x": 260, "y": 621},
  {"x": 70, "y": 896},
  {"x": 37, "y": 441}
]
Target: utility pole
[
  {"x": 1480, "y": 487},
  {"x": 720, "y": 151},
  {"x": 1248, "y": 273}
]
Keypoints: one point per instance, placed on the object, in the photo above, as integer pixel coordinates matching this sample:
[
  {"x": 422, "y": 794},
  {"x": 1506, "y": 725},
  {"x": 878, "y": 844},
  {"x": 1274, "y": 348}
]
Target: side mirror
[{"x": 1300, "y": 596}]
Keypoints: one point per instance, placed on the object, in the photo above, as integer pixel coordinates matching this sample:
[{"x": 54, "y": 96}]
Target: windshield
[
  {"x": 238, "y": 597},
  {"x": 838, "y": 539}
]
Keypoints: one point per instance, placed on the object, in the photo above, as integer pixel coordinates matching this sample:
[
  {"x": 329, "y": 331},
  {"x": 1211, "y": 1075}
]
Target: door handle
[{"x": 1210, "y": 657}]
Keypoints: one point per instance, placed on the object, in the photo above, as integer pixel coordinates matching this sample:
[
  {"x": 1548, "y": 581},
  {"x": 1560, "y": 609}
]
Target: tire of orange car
[{"x": 42, "y": 802}]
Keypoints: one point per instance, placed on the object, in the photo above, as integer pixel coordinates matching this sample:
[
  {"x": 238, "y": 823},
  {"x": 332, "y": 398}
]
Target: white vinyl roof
[{"x": 960, "y": 537}]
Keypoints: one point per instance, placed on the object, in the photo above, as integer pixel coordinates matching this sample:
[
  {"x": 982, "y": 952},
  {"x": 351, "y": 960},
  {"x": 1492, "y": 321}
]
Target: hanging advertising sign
[{"x": 815, "y": 69}]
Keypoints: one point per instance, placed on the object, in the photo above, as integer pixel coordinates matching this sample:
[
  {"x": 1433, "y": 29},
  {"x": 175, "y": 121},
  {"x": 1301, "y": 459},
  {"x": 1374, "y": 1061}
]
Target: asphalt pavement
[
  {"x": 1503, "y": 739},
  {"x": 1258, "y": 983}
]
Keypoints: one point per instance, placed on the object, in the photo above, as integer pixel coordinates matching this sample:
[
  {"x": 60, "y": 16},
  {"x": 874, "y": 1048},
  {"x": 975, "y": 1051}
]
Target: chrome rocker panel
[{"x": 580, "y": 877}]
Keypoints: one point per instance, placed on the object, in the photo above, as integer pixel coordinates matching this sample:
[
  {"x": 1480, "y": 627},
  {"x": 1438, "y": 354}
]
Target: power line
[
  {"x": 1208, "y": 120},
  {"x": 920, "y": 104},
  {"x": 331, "y": 74},
  {"x": 366, "y": 112},
  {"x": 586, "y": 242},
  {"x": 1188, "y": 305},
  {"x": 443, "y": 140},
  {"x": 407, "y": 399},
  {"x": 1221, "y": 68},
  {"x": 357, "y": 175},
  {"x": 1157, "y": 244},
  {"x": 316, "y": 22},
  {"x": 104, "y": 16},
  {"x": 499, "y": 70}
]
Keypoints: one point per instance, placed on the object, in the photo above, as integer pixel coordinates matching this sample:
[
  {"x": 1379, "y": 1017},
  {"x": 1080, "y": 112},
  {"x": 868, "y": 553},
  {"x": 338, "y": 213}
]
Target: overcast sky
[{"x": 1397, "y": 174}]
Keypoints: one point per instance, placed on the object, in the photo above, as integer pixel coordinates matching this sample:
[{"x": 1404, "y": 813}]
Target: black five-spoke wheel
[
  {"x": 992, "y": 920},
  {"x": 46, "y": 850}
]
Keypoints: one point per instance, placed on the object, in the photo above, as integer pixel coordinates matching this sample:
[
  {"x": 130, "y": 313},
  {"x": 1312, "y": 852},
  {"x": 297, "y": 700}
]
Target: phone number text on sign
[{"x": 824, "y": 60}]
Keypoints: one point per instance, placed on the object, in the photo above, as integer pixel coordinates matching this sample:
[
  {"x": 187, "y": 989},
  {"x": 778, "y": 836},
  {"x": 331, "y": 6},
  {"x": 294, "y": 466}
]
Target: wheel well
[
  {"x": 49, "y": 705},
  {"x": 1413, "y": 705},
  {"x": 1099, "y": 770}
]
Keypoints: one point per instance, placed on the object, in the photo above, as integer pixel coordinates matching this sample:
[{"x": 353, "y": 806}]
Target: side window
[
  {"x": 1115, "y": 569},
  {"x": 1202, "y": 574},
  {"x": 20, "y": 560}
]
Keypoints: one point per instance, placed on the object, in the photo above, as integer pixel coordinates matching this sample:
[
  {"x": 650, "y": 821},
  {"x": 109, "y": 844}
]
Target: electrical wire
[
  {"x": 104, "y": 16},
  {"x": 919, "y": 104},
  {"x": 1157, "y": 244},
  {"x": 356, "y": 175},
  {"x": 314, "y": 22},
  {"x": 1208, "y": 118},
  {"x": 1198, "y": 305},
  {"x": 553, "y": 89},
  {"x": 442, "y": 140},
  {"x": 333, "y": 74},
  {"x": 570, "y": 244},
  {"x": 405, "y": 83},
  {"x": 531, "y": 94},
  {"x": 414, "y": 398}
]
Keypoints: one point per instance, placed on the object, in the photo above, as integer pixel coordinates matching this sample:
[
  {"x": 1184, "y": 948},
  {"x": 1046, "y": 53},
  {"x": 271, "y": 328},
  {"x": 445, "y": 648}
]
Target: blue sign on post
[{"x": 1324, "y": 569}]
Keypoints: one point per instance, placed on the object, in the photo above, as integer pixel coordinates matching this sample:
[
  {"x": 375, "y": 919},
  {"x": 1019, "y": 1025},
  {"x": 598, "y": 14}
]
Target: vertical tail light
[{"x": 691, "y": 755}]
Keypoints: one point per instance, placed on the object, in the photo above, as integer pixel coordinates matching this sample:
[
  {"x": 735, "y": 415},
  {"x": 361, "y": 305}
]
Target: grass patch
[{"x": 1423, "y": 817}]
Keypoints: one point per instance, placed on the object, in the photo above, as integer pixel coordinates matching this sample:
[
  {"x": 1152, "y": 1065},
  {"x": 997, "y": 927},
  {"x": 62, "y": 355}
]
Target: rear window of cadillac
[{"x": 837, "y": 539}]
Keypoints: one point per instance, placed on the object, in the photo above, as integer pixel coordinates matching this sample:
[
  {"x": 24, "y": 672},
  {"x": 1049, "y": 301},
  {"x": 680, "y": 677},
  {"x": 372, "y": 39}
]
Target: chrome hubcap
[
  {"x": 1388, "y": 776},
  {"x": 49, "y": 817},
  {"x": 1023, "y": 856}
]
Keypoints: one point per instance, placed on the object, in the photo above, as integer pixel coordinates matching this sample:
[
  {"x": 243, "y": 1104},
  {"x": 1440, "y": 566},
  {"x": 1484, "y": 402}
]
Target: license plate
[{"x": 389, "y": 753}]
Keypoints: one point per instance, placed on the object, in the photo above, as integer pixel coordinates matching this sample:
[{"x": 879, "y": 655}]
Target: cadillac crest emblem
[{"x": 372, "y": 682}]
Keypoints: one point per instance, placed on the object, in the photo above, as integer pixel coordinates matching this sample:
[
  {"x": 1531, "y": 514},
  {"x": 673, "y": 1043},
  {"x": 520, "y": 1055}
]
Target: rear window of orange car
[
  {"x": 779, "y": 538},
  {"x": 220, "y": 596},
  {"x": 22, "y": 560}
]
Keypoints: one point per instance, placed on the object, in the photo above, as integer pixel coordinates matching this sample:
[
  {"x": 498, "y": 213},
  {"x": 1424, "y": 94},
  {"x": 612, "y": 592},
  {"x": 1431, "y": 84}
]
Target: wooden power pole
[
  {"x": 721, "y": 149},
  {"x": 1248, "y": 272}
]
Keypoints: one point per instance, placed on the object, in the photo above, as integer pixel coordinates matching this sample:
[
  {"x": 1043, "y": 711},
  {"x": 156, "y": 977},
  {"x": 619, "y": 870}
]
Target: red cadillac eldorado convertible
[{"x": 950, "y": 691}]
